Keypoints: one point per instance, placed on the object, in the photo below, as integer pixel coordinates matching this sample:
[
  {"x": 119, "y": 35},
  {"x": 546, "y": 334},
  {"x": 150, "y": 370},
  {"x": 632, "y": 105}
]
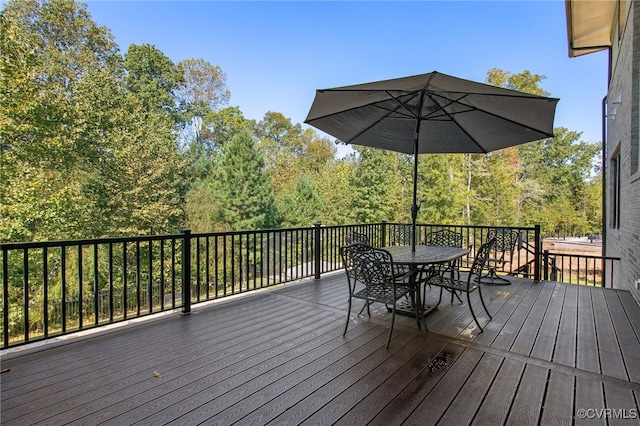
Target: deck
[{"x": 553, "y": 354}]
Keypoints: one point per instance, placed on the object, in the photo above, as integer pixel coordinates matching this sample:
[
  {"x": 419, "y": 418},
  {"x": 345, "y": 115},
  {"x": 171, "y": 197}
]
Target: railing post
[
  {"x": 546, "y": 265},
  {"x": 317, "y": 246},
  {"x": 186, "y": 271},
  {"x": 383, "y": 234},
  {"x": 538, "y": 254}
]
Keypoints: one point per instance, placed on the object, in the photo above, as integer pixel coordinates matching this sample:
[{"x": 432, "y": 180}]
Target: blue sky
[{"x": 276, "y": 54}]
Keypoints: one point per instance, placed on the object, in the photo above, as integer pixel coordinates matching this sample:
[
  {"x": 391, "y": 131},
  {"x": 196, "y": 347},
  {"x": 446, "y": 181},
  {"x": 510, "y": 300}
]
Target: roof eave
[{"x": 589, "y": 25}]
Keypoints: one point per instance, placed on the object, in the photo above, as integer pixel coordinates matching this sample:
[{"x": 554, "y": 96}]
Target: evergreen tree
[{"x": 244, "y": 189}]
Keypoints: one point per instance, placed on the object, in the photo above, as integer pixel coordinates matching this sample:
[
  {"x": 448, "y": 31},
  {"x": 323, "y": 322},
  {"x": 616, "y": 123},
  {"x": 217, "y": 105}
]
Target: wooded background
[{"x": 95, "y": 142}]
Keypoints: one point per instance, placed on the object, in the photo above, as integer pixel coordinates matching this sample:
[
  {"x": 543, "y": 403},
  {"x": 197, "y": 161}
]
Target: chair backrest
[
  {"x": 506, "y": 239},
  {"x": 356, "y": 237},
  {"x": 401, "y": 234},
  {"x": 366, "y": 264},
  {"x": 482, "y": 256},
  {"x": 444, "y": 237}
]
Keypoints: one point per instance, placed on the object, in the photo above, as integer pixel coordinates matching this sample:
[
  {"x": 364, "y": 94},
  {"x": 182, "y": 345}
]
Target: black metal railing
[
  {"x": 55, "y": 288},
  {"x": 579, "y": 268}
]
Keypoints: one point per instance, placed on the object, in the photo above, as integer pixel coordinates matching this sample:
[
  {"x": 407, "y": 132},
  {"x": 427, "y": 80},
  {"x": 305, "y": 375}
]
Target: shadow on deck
[{"x": 553, "y": 353}]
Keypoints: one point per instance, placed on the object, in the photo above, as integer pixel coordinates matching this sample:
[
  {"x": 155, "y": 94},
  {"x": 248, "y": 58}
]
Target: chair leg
[
  {"x": 483, "y": 304},
  {"x": 417, "y": 306},
  {"x": 473, "y": 313},
  {"x": 348, "y": 317},
  {"x": 393, "y": 320},
  {"x": 493, "y": 278},
  {"x": 366, "y": 303}
]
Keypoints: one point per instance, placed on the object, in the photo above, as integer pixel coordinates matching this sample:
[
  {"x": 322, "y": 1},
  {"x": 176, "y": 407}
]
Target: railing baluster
[
  {"x": 63, "y": 288},
  {"x": 25, "y": 292},
  {"x": 161, "y": 287},
  {"x": 110, "y": 273},
  {"x": 150, "y": 280},
  {"x": 96, "y": 284},
  {"x": 5, "y": 298},
  {"x": 207, "y": 257},
  {"x": 125, "y": 290},
  {"x": 80, "y": 292},
  {"x": 45, "y": 290}
]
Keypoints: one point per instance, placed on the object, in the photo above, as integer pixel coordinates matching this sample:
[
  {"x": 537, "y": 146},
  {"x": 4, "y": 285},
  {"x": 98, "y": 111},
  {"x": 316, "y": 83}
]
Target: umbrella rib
[
  {"x": 375, "y": 105},
  {"x": 473, "y": 108},
  {"x": 373, "y": 123},
  {"x": 455, "y": 121}
]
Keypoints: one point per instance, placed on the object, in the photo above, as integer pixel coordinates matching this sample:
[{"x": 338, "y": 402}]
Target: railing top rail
[
  {"x": 584, "y": 256},
  {"x": 252, "y": 231},
  {"x": 107, "y": 240},
  {"x": 440, "y": 225},
  {"x": 88, "y": 241}
]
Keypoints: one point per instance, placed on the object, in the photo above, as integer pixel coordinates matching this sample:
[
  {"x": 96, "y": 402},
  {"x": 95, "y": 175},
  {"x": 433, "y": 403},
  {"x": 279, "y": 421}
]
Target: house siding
[{"x": 624, "y": 241}]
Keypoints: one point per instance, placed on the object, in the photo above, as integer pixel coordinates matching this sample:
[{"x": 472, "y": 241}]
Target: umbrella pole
[{"x": 414, "y": 206}]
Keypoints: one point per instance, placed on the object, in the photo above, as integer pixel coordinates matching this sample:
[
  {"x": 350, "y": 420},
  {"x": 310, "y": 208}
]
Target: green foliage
[
  {"x": 202, "y": 92},
  {"x": 244, "y": 189},
  {"x": 373, "y": 179},
  {"x": 302, "y": 206},
  {"x": 153, "y": 78},
  {"x": 96, "y": 144},
  {"x": 441, "y": 188},
  {"x": 220, "y": 126}
]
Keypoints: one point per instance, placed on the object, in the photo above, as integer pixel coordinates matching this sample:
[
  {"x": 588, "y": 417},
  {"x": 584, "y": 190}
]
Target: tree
[
  {"x": 219, "y": 127},
  {"x": 244, "y": 189},
  {"x": 49, "y": 49},
  {"x": 373, "y": 185},
  {"x": 83, "y": 155},
  {"x": 441, "y": 188},
  {"x": 153, "y": 78},
  {"x": 302, "y": 206},
  {"x": 203, "y": 91}
]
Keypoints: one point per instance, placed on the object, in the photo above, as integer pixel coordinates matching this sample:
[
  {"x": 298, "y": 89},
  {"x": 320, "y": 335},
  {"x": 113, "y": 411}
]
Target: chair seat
[
  {"x": 453, "y": 284},
  {"x": 381, "y": 293}
]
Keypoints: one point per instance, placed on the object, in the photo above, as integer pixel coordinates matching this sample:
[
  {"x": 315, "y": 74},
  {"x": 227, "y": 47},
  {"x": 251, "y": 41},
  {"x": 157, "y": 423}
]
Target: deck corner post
[
  {"x": 546, "y": 264},
  {"x": 186, "y": 271},
  {"x": 316, "y": 250},
  {"x": 538, "y": 254}
]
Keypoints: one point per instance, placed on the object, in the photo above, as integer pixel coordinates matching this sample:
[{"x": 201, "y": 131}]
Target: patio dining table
[{"x": 423, "y": 258}]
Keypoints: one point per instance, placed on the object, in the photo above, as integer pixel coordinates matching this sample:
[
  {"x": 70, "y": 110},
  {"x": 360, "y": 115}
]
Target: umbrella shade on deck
[{"x": 431, "y": 113}]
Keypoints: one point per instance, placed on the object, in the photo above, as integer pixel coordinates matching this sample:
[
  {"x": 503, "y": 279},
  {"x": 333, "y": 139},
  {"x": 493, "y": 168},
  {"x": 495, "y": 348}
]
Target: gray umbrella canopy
[{"x": 432, "y": 113}]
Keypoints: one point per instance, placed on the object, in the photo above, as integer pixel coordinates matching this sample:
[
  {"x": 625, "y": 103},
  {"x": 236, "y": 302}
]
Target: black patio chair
[
  {"x": 447, "y": 238},
  {"x": 401, "y": 234},
  {"x": 506, "y": 242},
  {"x": 371, "y": 277},
  {"x": 356, "y": 237},
  {"x": 469, "y": 285},
  {"x": 444, "y": 237}
]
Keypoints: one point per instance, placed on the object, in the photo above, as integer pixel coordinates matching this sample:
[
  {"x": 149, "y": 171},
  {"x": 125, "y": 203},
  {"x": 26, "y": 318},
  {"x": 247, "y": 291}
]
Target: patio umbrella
[{"x": 431, "y": 113}]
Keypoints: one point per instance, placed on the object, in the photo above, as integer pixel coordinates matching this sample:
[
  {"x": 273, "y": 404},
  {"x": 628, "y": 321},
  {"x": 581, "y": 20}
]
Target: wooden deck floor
[{"x": 551, "y": 352}]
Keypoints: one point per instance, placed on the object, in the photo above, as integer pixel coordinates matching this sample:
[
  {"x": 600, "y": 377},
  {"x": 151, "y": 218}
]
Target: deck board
[
  {"x": 529, "y": 396},
  {"x": 279, "y": 357},
  {"x": 608, "y": 350},
  {"x": 565, "y": 349},
  {"x": 625, "y": 333},
  {"x": 587, "y": 341},
  {"x": 558, "y": 403},
  {"x": 545, "y": 340},
  {"x": 523, "y": 343},
  {"x": 464, "y": 407},
  {"x": 497, "y": 403}
]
